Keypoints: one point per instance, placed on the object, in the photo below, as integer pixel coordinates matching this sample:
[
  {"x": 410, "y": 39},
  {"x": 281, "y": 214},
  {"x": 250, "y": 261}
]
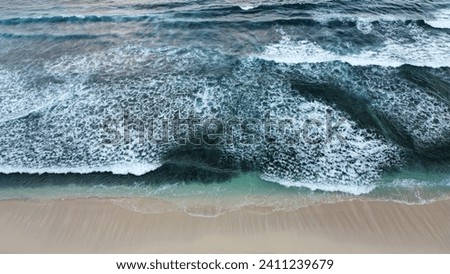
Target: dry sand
[{"x": 101, "y": 226}]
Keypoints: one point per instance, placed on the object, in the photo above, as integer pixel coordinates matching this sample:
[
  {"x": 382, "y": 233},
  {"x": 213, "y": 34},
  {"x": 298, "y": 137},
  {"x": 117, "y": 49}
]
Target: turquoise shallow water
[{"x": 245, "y": 190}]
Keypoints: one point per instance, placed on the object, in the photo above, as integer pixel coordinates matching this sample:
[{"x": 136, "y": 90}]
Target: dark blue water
[{"x": 348, "y": 96}]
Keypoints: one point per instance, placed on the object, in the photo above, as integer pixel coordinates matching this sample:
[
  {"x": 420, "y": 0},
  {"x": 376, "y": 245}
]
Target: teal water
[{"x": 244, "y": 190}]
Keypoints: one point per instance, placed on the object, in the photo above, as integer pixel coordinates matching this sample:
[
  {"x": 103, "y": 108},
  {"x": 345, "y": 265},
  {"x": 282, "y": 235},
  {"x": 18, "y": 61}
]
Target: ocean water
[{"x": 231, "y": 103}]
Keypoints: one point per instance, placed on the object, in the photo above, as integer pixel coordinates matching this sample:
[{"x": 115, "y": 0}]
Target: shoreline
[{"x": 98, "y": 225}]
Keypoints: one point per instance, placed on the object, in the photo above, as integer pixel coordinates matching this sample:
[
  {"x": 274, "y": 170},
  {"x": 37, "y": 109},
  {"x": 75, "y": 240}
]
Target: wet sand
[{"x": 103, "y": 226}]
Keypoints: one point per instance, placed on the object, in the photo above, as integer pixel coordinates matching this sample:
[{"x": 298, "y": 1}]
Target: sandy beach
[{"x": 101, "y": 226}]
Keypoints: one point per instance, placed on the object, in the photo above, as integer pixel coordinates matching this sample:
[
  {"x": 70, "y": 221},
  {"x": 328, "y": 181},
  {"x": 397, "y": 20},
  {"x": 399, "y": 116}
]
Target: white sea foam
[
  {"x": 353, "y": 189},
  {"x": 137, "y": 169},
  {"x": 441, "y": 20},
  {"x": 64, "y": 134},
  {"x": 47, "y": 148},
  {"x": 20, "y": 98},
  {"x": 248, "y": 7},
  {"x": 426, "y": 50},
  {"x": 352, "y": 164},
  {"x": 425, "y": 117}
]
